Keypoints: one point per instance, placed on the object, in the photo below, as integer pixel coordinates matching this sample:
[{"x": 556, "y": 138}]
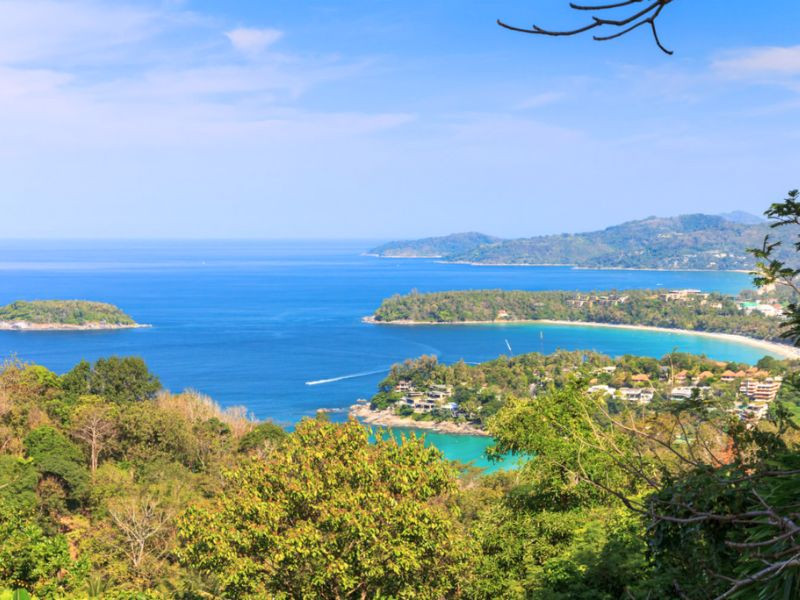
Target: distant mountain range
[{"x": 695, "y": 241}]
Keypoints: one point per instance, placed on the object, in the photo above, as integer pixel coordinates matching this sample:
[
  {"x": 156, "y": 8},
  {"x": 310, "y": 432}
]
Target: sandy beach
[
  {"x": 386, "y": 418},
  {"x": 25, "y": 326},
  {"x": 783, "y": 350},
  {"x": 443, "y": 261}
]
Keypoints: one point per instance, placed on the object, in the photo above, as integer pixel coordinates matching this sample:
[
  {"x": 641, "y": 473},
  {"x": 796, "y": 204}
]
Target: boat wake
[{"x": 352, "y": 376}]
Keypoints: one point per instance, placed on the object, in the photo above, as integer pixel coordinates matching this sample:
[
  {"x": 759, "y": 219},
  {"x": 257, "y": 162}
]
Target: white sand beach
[{"x": 783, "y": 350}]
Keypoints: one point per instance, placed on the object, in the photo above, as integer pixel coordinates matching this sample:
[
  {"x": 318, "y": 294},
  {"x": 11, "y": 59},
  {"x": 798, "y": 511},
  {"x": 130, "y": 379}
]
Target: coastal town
[
  {"x": 426, "y": 394},
  {"x": 767, "y": 306}
]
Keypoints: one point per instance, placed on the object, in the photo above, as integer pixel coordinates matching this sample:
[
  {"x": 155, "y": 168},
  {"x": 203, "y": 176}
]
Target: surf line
[{"x": 352, "y": 376}]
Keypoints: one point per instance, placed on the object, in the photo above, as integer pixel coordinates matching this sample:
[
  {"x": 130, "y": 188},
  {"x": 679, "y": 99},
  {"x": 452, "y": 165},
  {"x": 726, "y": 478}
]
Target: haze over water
[{"x": 254, "y": 323}]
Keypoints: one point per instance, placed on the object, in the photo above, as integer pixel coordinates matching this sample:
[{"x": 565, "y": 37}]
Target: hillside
[
  {"x": 63, "y": 314},
  {"x": 435, "y": 247},
  {"x": 684, "y": 242}
]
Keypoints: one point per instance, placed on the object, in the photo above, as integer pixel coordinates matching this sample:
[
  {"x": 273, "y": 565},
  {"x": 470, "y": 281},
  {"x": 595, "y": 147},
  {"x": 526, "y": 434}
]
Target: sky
[{"x": 379, "y": 119}]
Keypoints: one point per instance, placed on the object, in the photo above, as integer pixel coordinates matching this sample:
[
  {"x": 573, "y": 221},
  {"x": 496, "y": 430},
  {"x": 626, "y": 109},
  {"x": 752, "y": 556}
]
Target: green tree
[
  {"x": 123, "y": 379},
  {"x": 34, "y": 560},
  {"x": 18, "y": 479},
  {"x": 330, "y": 515},
  {"x": 55, "y": 456},
  {"x": 262, "y": 437}
]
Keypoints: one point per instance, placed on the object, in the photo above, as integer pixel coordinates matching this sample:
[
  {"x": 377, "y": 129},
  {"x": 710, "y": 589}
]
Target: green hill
[
  {"x": 684, "y": 242},
  {"x": 435, "y": 247}
]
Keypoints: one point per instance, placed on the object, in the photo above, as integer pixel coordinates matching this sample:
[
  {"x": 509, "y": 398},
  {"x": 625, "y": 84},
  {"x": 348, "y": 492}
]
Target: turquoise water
[
  {"x": 464, "y": 448},
  {"x": 254, "y": 323}
]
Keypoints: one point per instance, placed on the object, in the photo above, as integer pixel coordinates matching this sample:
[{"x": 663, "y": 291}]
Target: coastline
[
  {"x": 783, "y": 350},
  {"x": 386, "y": 418},
  {"x": 442, "y": 260},
  {"x": 27, "y": 326}
]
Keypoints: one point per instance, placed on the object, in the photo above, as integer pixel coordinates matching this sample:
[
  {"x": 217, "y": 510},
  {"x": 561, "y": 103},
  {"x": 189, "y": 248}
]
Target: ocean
[{"x": 276, "y": 325}]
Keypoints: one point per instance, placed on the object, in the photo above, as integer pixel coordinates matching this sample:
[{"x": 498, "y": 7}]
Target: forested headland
[
  {"x": 696, "y": 241},
  {"x": 656, "y": 308}
]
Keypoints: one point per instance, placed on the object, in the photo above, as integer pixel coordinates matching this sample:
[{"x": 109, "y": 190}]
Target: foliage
[
  {"x": 328, "y": 514},
  {"x": 55, "y": 455},
  {"x": 64, "y": 312},
  {"x": 34, "y": 560},
  {"x": 716, "y": 496},
  {"x": 262, "y": 437},
  {"x": 112, "y": 534},
  {"x": 18, "y": 479}
]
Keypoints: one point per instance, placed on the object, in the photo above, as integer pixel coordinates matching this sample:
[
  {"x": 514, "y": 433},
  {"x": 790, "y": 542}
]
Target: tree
[
  {"x": 143, "y": 522},
  {"x": 55, "y": 456},
  {"x": 262, "y": 437},
  {"x": 622, "y": 25},
  {"x": 717, "y": 494},
  {"x": 125, "y": 379},
  {"x": 94, "y": 424},
  {"x": 18, "y": 479},
  {"x": 327, "y": 514},
  {"x": 33, "y": 560}
]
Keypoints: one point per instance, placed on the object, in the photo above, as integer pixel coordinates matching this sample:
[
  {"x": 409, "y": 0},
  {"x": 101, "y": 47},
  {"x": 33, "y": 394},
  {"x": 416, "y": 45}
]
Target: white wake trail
[{"x": 352, "y": 376}]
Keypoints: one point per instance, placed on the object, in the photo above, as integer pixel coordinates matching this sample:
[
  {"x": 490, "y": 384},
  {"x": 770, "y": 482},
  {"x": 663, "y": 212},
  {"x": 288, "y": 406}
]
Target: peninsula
[
  {"x": 751, "y": 319},
  {"x": 698, "y": 241},
  {"x": 63, "y": 315}
]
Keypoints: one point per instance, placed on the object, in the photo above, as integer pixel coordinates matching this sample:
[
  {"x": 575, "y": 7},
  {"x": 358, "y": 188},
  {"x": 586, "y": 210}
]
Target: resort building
[
  {"x": 761, "y": 391},
  {"x": 640, "y": 395},
  {"x": 605, "y": 389},
  {"x": 425, "y": 401},
  {"x": 684, "y": 295}
]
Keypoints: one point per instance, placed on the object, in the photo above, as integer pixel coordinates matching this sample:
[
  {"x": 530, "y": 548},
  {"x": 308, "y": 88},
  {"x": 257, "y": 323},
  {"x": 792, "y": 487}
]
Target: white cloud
[
  {"x": 251, "y": 41},
  {"x": 760, "y": 61},
  {"x": 540, "y": 100},
  {"x": 82, "y": 74},
  {"x": 65, "y": 32}
]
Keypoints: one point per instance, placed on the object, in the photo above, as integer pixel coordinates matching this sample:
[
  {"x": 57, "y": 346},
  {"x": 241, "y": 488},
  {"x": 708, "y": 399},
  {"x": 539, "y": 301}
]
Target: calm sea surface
[{"x": 276, "y": 326}]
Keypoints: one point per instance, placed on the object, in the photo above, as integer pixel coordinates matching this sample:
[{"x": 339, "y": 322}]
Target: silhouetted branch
[{"x": 646, "y": 16}]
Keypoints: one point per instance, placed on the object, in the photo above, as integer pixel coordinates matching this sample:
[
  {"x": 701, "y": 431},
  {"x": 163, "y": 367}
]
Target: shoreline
[
  {"x": 27, "y": 326},
  {"x": 386, "y": 418},
  {"x": 441, "y": 260},
  {"x": 783, "y": 350}
]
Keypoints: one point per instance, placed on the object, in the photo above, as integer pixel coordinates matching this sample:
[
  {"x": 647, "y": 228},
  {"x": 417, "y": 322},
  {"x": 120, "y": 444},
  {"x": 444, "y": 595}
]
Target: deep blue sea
[{"x": 276, "y": 325}]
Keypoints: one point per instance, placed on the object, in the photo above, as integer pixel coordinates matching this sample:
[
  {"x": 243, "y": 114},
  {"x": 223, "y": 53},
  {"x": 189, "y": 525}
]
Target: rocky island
[{"x": 63, "y": 315}]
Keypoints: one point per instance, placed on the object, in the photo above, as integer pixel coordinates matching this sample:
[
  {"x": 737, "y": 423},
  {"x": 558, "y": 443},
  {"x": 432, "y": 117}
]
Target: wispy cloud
[
  {"x": 540, "y": 100},
  {"x": 253, "y": 42},
  {"x": 86, "y": 73},
  {"x": 83, "y": 31},
  {"x": 760, "y": 61}
]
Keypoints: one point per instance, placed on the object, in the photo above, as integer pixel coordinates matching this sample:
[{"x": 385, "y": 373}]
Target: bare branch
[{"x": 646, "y": 16}]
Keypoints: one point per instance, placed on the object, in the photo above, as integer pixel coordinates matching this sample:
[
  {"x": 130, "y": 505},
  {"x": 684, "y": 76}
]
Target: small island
[{"x": 63, "y": 315}]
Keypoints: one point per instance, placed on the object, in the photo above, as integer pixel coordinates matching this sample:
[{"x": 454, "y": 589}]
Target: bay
[{"x": 276, "y": 325}]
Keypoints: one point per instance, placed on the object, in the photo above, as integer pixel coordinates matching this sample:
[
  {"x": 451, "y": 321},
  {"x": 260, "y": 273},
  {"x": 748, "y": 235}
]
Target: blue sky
[{"x": 380, "y": 119}]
